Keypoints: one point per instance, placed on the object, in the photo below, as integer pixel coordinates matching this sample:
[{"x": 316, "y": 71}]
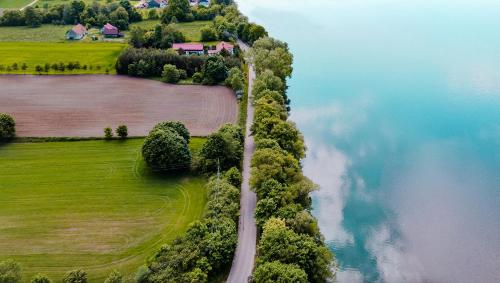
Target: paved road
[
  {"x": 247, "y": 231},
  {"x": 30, "y": 4}
]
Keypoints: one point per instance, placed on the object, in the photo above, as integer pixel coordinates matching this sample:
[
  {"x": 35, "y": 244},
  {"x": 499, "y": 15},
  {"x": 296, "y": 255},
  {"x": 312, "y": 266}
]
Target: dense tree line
[
  {"x": 291, "y": 248},
  {"x": 119, "y": 14},
  {"x": 207, "y": 247},
  {"x": 142, "y": 62},
  {"x": 11, "y": 272},
  {"x": 150, "y": 62}
]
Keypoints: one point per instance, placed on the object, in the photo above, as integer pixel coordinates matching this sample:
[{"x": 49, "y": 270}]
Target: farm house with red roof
[
  {"x": 76, "y": 33},
  {"x": 189, "y": 48}
]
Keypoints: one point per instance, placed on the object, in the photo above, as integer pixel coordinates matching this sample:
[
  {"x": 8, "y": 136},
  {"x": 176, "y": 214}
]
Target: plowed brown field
[{"x": 81, "y": 106}]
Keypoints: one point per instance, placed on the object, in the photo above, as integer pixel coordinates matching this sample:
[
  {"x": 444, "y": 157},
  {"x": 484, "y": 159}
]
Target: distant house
[
  {"x": 110, "y": 31},
  {"x": 156, "y": 3},
  {"x": 205, "y": 3},
  {"x": 76, "y": 33},
  {"x": 222, "y": 46},
  {"x": 190, "y": 48}
]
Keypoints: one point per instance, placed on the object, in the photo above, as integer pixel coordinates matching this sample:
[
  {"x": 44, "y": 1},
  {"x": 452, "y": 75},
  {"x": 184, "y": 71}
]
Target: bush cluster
[
  {"x": 56, "y": 67},
  {"x": 291, "y": 245}
]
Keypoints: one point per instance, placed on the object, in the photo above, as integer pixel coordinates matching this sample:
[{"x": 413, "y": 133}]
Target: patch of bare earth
[{"x": 81, "y": 106}]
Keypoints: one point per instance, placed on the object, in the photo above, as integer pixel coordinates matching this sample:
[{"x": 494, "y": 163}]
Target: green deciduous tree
[
  {"x": 32, "y": 17},
  {"x": 75, "y": 276},
  {"x": 277, "y": 272},
  {"x": 108, "y": 133},
  {"x": 165, "y": 150},
  {"x": 214, "y": 70},
  {"x": 114, "y": 277},
  {"x": 225, "y": 147},
  {"x": 7, "y": 127},
  {"x": 122, "y": 131},
  {"x": 279, "y": 243},
  {"x": 10, "y": 271},
  {"x": 178, "y": 9},
  {"x": 273, "y": 164},
  {"x": 235, "y": 79},
  {"x": 267, "y": 81},
  {"x": 170, "y": 74},
  {"x": 40, "y": 278},
  {"x": 175, "y": 126},
  {"x": 208, "y": 33}
]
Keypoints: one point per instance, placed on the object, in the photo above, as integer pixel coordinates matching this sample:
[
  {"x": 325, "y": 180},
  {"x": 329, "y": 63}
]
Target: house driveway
[{"x": 83, "y": 105}]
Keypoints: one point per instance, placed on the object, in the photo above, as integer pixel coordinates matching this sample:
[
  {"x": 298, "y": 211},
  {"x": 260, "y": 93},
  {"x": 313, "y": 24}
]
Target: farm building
[
  {"x": 156, "y": 3},
  {"x": 76, "y": 33},
  {"x": 205, "y": 3},
  {"x": 110, "y": 31},
  {"x": 189, "y": 48},
  {"x": 222, "y": 46}
]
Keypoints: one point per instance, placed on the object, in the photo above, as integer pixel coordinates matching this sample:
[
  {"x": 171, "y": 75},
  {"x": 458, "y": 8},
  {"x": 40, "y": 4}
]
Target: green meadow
[
  {"x": 14, "y": 4},
  {"x": 190, "y": 30},
  {"x": 44, "y": 33},
  {"x": 99, "y": 57},
  {"x": 89, "y": 204}
]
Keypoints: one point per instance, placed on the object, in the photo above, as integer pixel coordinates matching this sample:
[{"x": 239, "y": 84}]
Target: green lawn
[
  {"x": 91, "y": 205},
  {"x": 45, "y": 33},
  {"x": 101, "y": 56},
  {"x": 14, "y": 4},
  {"x": 190, "y": 30}
]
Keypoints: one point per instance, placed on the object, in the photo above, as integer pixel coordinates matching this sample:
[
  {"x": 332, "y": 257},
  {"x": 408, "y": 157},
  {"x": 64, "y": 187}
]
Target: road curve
[{"x": 244, "y": 257}]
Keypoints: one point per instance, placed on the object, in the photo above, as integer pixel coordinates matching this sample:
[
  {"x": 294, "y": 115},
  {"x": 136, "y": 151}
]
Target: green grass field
[
  {"x": 96, "y": 54},
  {"x": 190, "y": 30},
  {"x": 91, "y": 205},
  {"x": 45, "y": 33},
  {"x": 14, "y": 4}
]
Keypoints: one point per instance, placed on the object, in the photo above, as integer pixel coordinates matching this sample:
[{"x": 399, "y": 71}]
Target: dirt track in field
[{"x": 81, "y": 106}]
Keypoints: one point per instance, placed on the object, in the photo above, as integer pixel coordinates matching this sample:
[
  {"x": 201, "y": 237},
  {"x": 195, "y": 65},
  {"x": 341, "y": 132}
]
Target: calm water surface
[{"x": 399, "y": 102}]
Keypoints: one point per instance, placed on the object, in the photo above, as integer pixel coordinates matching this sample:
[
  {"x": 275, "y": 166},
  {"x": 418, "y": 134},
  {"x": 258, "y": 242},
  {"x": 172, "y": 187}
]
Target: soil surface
[{"x": 83, "y": 105}]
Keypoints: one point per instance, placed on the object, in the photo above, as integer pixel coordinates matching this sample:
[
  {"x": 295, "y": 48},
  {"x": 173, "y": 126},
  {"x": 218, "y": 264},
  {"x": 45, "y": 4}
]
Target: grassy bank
[{"x": 91, "y": 205}]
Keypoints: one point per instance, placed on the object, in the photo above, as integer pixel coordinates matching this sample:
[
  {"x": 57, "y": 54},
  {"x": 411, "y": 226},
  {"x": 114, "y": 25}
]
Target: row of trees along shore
[{"x": 291, "y": 247}]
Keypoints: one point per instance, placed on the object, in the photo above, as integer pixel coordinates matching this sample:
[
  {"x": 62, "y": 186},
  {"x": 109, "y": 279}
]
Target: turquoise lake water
[{"x": 399, "y": 102}]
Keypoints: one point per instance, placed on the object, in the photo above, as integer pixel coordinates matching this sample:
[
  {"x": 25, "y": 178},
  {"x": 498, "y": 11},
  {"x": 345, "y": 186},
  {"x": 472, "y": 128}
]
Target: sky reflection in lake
[{"x": 399, "y": 102}]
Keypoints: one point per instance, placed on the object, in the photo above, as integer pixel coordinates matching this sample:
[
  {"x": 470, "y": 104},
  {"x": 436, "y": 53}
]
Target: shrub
[
  {"x": 279, "y": 272},
  {"x": 40, "y": 278},
  {"x": 10, "y": 271},
  {"x": 170, "y": 74},
  {"x": 235, "y": 79},
  {"x": 166, "y": 150},
  {"x": 197, "y": 77},
  {"x": 7, "y": 127},
  {"x": 114, "y": 277},
  {"x": 233, "y": 176},
  {"x": 75, "y": 276},
  {"x": 224, "y": 147},
  {"x": 122, "y": 131},
  {"x": 214, "y": 70},
  {"x": 108, "y": 133},
  {"x": 175, "y": 126},
  {"x": 208, "y": 33}
]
